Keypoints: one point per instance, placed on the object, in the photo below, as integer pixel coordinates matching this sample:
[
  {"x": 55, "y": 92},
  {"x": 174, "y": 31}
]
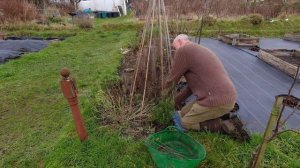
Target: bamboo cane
[
  {"x": 148, "y": 57},
  {"x": 167, "y": 34},
  {"x": 139, "y": 56}
]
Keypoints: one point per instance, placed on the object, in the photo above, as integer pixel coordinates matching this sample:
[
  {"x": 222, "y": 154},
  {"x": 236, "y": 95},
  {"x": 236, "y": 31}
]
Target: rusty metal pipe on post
[{"x": 69, "y": 89}]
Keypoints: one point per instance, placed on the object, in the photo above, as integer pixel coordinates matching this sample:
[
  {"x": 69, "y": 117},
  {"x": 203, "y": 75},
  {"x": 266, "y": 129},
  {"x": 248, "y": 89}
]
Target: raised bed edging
[
  {"x": 236, "y": 40},
  {"x": 292, "y": 37},
  {"x": 278, "y": 63}
]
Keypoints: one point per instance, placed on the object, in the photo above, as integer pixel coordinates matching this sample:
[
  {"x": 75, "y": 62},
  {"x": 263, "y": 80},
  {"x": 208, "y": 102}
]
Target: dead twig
[
  {"x": 291, "y": 114},
  {"x": 142, "y": 113},
  {"x": 288, "y": 97}
]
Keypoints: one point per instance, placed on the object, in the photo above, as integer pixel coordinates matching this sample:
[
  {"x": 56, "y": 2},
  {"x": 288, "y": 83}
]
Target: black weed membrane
[{"x": 15, "y": 47}]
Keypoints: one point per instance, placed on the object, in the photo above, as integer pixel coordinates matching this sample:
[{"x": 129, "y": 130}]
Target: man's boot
[
  {"x": 232, "y": 113},
  {"x": 234, "y": 128},
  {"x": 214, "y": 125}
]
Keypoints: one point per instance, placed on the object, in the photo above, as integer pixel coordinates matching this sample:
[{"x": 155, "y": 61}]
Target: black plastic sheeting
[
  {"x": 266, "y": 43},
  {"x": 11, "y": 49},
  {"x": 257, "y": 83},
  {"x": 35, "y": 38},
  {"x": 8, "y": 54}
]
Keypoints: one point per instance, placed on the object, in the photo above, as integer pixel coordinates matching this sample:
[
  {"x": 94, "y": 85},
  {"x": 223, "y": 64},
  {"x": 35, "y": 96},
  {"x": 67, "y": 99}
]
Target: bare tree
[
  {"x": 204, "y": 17},
  {"x": 39, "y": 3},
  {"x": 75, "y": 3}
]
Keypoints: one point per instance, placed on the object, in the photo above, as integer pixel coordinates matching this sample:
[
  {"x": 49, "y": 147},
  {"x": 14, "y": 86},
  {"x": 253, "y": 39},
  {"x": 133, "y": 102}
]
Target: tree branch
[
  {"x": 288, "y": 97},
  {"x": 289, "y": 116}
]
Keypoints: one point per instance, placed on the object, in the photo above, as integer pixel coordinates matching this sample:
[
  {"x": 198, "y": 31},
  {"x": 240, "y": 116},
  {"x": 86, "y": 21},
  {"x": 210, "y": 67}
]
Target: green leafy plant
[
  {"x": 209, "y": 20},
  {"x": 54, "y": 19},
  {"x": 84, "y": 23},
  {"x": 162, "y": 113},
  {"x": 256, "y": 19}
]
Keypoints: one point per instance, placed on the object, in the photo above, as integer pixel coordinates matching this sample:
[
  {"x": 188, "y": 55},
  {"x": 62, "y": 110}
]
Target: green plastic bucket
[{"x": 171, "y": 148}]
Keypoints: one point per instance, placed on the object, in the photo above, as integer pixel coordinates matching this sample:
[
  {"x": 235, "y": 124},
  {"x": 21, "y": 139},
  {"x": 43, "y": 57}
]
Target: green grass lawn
[
  {"x": 63, "y": 29},
  {"x": 242, "y": 25},
  {"x": 37, "y": 127}
]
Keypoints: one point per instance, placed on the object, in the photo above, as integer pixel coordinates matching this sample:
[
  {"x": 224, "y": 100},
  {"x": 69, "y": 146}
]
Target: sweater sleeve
[{"x": 179, "y": 68}]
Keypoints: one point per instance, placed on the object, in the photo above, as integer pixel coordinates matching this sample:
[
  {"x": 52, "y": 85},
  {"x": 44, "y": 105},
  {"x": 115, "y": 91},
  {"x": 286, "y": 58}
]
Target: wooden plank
[
  {"x": 292, "y": 37},
  {"x": 280, "y": 64},
  {"x": 239, "y": 40}
]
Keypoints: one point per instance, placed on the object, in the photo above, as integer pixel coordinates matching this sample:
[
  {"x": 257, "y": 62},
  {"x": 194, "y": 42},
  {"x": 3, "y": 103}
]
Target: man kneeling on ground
[{"x": 208, "y": 81}]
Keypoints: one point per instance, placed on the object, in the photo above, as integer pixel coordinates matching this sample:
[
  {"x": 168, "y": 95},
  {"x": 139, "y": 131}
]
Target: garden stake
[
  {"x": 256, "y": 162},
  {"x": 2, "y": 36},
  {"x": 69, "y": 89}
]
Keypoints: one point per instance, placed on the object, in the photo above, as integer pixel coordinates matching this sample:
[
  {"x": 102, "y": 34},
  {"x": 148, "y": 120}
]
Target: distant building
[{"x": 104, "y": 5}]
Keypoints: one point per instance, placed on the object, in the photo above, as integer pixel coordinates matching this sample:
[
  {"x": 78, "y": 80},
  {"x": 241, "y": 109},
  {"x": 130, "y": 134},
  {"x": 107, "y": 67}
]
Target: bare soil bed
[
  {"x": 292, "y": 37},
  {"x": 290, "y": 56},
  {"x": 239, "y": 40},
  {"x": 117, "y": 113},
  {"x": 284, "y": 60}
]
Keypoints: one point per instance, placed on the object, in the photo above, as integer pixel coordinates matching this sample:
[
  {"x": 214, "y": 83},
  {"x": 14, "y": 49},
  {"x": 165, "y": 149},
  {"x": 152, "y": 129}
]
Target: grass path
[
  {"x": 34, "y": 115},
  {"x": 36, "y": 126}
]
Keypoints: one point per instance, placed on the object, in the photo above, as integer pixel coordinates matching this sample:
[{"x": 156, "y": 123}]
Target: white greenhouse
[{"x": 104, "y": 5}]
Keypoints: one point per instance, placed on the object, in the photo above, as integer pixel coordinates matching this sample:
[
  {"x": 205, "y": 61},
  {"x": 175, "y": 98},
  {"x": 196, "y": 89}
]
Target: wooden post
[
  {"x": 69, "y": 89},
  {"x": 2, "y": 36},
  {"x": 258, "y": 157}
]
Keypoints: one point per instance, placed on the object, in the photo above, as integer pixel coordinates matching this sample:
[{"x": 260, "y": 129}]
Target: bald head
[{"x": 180, "y": 41}]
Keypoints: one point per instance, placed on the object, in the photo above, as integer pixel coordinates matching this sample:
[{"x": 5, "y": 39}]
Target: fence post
[{"x": 69, "y": 89}]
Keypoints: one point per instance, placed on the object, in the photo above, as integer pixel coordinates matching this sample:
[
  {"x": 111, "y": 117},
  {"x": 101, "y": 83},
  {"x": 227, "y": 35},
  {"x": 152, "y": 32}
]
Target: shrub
[
  {"x": 17, "y": 10},
  {"x": 83, "y": 22},
  {"x": 162, "y": 113},
  {"x": 282, "y": 16},
  {"x": 209, "y": 20},
  {"x": 244, "y": 19},
  {"x": 256, "y": 19},
  {"x": 1, "y": 17},
  {"x": 54, "y": 19},
  {"x": 294, "y": 8},
  {"x": 64, "y": 8}
]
